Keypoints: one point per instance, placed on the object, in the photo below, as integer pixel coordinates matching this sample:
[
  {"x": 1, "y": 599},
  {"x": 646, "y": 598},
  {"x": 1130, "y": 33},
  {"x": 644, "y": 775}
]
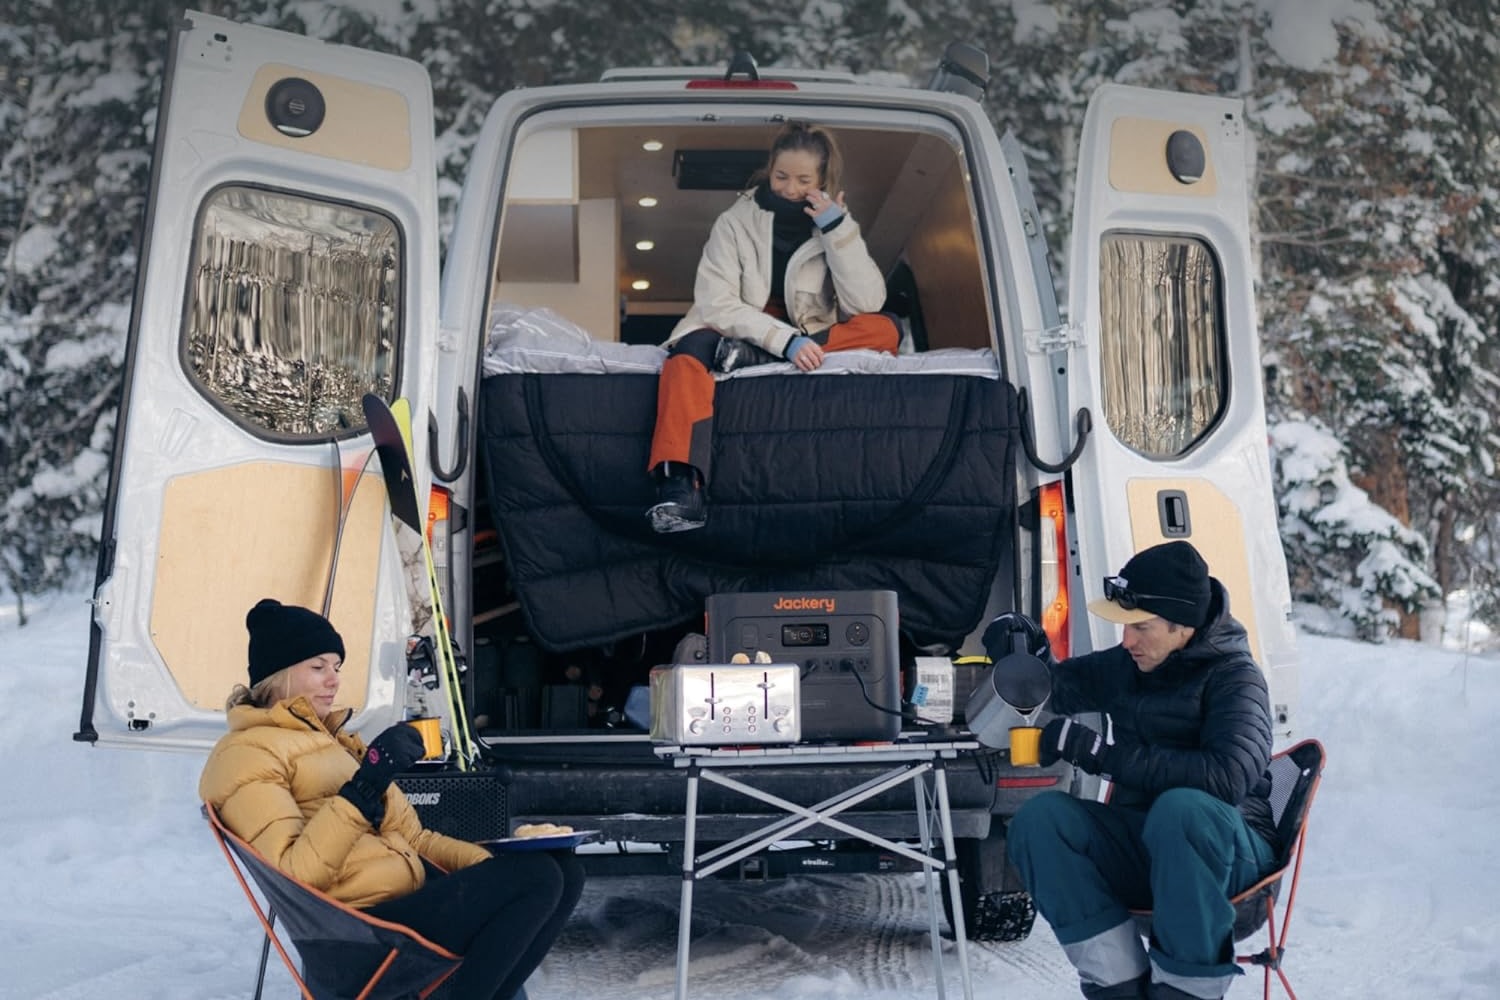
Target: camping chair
[
  {"x": 345, "y": 953},
  {"x": 1295, "y": 774}
]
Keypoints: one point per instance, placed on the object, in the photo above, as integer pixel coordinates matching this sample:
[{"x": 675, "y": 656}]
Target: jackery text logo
[{"x": 824, "y": 604}]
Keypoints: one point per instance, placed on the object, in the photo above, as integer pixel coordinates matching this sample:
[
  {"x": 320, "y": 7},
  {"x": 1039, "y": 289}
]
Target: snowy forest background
[{"x": 1378, "y": 170}]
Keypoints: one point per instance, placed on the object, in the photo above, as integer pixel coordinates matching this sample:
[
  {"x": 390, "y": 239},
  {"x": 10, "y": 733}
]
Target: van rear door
[
  {"x": 1160, "y": 276},
  {"x": 289, "y": 266}
]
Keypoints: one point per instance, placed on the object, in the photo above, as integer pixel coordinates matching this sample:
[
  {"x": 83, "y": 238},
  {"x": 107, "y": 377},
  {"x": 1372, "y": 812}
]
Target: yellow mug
[
  {"x": 432, "y": 736},
  {"x": 1026, "y": 746}
]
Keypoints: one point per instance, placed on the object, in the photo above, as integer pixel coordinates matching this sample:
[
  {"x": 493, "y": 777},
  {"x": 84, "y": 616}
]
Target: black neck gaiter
[{"x": 790, "y": 228}]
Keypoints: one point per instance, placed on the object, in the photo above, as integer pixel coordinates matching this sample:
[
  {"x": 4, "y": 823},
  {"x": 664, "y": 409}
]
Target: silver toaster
[{"x": 719, "y": 704}]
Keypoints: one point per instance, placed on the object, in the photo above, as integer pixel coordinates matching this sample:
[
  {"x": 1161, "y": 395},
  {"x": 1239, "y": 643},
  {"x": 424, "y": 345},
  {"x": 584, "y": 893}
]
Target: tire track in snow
[{"x": 856, "y": 937}]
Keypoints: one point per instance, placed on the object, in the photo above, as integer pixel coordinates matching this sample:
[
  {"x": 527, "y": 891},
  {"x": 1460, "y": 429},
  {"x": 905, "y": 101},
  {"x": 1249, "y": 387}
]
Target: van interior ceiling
[{"x": 605, "y": 224}]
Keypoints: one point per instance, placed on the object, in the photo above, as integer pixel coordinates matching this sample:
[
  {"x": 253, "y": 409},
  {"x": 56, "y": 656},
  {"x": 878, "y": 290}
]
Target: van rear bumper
[{"x": 642, "y": 799}]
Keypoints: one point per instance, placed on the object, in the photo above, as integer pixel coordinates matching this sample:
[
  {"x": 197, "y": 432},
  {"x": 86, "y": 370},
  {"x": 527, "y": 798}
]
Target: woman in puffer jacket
[
  {"x": 321, "y": 806},
  {"x": 785, "y": 275}
]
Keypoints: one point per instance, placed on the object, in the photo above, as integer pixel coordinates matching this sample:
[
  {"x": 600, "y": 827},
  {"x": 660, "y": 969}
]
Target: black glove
[
  {"x": 1065, "y": 739},
  {"x": 999, "y": 637},
  {"x": 390, "y": 753}
]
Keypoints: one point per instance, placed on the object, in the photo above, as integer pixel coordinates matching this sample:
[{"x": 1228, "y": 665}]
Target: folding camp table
[{"x": 910, "y": 762}]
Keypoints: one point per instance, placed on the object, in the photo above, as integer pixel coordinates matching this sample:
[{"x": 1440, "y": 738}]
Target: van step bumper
[{"x": 723, "y": 827}]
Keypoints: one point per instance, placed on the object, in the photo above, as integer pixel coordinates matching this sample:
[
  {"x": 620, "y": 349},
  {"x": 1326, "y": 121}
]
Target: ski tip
[{"x": 372, "y": 405}]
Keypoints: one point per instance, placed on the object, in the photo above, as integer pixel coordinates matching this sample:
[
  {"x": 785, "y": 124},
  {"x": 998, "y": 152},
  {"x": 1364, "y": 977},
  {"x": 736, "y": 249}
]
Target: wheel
[{"x": 996, "y": 908}]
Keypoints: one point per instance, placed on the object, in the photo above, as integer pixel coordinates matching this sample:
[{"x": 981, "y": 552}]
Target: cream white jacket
[{"x": 828, "y": 279}]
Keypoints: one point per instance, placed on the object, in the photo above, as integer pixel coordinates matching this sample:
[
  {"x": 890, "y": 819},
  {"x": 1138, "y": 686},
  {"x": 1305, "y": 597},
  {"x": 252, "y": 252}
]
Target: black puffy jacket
[{"x": 1202, "y": 719}]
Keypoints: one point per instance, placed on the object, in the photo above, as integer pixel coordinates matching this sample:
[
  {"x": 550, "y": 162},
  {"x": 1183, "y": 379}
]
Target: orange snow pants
[{"x": 685, "y": 393}]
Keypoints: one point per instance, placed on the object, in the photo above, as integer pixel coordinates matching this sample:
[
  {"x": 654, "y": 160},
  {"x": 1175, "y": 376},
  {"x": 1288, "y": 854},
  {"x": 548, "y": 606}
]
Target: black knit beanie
[
  {"x": 284, "y": 634},
  {"x": 1169, "y": 581}
]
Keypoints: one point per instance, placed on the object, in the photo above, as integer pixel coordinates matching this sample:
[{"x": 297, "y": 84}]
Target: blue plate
[{"x": 551, "y": 842}]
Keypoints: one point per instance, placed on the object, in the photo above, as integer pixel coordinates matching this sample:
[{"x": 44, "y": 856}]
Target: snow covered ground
[{"x": 115, "y": 889}]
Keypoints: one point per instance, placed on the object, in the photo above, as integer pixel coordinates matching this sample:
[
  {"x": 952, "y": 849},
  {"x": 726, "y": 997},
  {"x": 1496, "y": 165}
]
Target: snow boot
[
  {"x": 1131, "y": 989},
  {"x": 679, "y": 500},
  {"x": 1161, "y": 991}
]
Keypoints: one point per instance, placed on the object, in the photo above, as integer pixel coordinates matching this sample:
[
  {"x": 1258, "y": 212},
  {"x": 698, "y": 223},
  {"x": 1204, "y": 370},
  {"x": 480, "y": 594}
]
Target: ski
[
  {"x": 391, "y": 444},
  {"x": 345, "y": 482}
]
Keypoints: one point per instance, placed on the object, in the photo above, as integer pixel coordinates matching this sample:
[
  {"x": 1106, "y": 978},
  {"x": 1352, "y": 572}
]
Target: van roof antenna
[
  {"x": 964, "y": 69},
  {"x": 742, "y": 62}
]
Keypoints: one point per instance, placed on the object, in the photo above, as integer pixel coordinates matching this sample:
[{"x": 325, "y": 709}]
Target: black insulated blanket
[{"x": 829, "y": 482}]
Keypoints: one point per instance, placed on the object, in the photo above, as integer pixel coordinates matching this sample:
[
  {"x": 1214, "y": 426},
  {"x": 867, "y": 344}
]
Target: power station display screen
[{"x": 804, "y": 635}]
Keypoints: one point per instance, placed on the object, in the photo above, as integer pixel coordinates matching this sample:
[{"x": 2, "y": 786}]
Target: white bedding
[{"x": 523, "y": 341}]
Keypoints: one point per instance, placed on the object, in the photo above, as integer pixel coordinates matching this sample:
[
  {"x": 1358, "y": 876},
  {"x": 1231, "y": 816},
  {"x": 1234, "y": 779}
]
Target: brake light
[
  {"x": 717, "y": 84},
  {"x": 1052, "y": 506}
]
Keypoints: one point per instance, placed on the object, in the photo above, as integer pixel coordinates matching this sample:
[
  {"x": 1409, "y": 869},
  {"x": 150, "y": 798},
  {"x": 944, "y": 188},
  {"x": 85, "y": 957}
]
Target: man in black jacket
[{"x": 1186, "y": 745}]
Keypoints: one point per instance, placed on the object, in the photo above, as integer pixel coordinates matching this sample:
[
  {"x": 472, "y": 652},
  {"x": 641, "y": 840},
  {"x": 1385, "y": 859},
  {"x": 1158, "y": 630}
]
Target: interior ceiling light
[
  {"x": 640, "y": 284},
  {"x": 645, "y": 244},
  {"x": 647, "y": 202},
  {"x": 651, "y": 145}
]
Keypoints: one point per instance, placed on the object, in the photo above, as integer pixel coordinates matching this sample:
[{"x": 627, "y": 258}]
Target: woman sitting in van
[
  {"x": 321, "y": 806},
  {"x": 785, "y": 274}
]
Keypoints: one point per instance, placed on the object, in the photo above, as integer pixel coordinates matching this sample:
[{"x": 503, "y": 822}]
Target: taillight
[
  {"x": 439, "y": 505},
  {"x": 1053, "y": 540},
  {"x": 439, "y": 502}
]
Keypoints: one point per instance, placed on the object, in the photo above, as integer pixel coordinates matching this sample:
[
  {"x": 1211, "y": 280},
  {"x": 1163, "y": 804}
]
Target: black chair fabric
[
  {"x": 342, "y": 949},
  {"x": 1295, "y": 775}
]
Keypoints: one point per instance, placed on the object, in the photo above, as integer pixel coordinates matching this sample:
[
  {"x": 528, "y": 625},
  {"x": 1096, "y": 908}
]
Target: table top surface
[{"x": 809, "y": 753}]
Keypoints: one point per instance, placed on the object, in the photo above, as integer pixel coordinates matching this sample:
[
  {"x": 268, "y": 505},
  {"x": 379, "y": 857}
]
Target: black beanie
[
  {"x": 1169, "y": 581},
  {"x": 284, "y": 634}
]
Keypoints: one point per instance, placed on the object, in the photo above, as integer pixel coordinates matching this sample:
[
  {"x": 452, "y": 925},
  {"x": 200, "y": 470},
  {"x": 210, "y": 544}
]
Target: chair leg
[{"x": 265, "y": 953}]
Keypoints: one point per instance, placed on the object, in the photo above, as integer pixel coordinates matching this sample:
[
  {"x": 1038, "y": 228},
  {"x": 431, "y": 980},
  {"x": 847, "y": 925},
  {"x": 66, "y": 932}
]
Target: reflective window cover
[
  {"x": 1162, "y": 351},
  {"x": 294, "y": 310}
]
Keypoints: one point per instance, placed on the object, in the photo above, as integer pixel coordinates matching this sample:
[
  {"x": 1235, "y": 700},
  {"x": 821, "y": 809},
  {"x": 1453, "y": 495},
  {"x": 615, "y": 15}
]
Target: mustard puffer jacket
[{"x": 274, "y": 780}]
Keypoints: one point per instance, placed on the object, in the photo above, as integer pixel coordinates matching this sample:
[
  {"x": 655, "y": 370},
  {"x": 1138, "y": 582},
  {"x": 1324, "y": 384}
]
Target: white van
[{"x": 1005, "y": 460}]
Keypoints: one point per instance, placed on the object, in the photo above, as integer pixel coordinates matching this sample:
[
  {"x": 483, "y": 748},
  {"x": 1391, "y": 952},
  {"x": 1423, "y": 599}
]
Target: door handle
[{"x": 1172, "y": 511}]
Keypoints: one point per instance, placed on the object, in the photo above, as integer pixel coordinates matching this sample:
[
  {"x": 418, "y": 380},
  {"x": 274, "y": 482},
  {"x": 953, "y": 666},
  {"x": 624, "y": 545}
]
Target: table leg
[
  {"x": 924, "y": 835},
  {"x": 689, "y": 875},
  {"x": 950, "y": 853}
]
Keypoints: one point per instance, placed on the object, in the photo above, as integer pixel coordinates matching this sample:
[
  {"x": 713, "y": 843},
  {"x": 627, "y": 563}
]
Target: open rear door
[
  {"x": 289, "y": 266},
  {"x": 1160, "y": 278}
]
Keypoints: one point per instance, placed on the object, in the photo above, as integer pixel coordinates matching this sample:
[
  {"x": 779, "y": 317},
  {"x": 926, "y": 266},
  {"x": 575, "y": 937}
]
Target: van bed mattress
[{"x": 860, "y": 481}]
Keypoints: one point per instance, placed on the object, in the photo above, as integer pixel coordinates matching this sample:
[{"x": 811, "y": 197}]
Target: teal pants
[{"x": 1086, "y": 864}]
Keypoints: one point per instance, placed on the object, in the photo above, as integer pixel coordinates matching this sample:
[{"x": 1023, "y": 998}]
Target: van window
[
  {"x": 294, "y": 310},
  {"x": 1162, "y": 352}
]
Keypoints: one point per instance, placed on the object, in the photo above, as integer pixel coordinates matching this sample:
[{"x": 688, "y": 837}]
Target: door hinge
[{"x": 1053, "y": 338}]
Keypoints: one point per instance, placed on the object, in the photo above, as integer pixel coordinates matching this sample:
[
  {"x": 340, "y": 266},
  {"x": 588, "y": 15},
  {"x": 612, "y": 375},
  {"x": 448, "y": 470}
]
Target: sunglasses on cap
[{"x": 1117, "y": 589}]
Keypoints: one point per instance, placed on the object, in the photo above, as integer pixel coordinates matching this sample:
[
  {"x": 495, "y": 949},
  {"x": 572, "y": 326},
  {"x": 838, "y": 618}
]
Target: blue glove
[
  {"x": 795, "y": 347},
  {"x": 829, "y": 217},
  {"x": 1064, "y": 739}
]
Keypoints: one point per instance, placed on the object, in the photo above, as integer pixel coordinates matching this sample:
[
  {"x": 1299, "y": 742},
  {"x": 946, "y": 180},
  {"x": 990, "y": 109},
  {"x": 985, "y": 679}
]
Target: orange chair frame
[
  {"x": 242, "y": 857},
  {"x": 1297, "y": 771}
]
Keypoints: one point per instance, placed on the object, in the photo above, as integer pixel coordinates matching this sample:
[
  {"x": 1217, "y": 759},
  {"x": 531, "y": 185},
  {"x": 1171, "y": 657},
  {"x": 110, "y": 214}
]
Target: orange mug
[
  {"x": 432, "y": 736},
  {"x": 1026, "y": 746}
]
